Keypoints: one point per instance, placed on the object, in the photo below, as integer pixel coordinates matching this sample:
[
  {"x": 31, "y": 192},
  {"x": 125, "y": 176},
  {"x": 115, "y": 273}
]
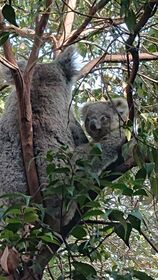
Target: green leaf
[
  {"x": 135, "y": 222},
  {"x": 141, "y": 174},
  {"x": 96, "y": 149},
  {"x": 135, "y": 219},
  {"x": 130, "y": 20},
  {"x": 49, "y": 238},
  {"x": 3, "y": 37},
  {"x": 127, "y": 192},
  {"x": 124, "y": 188},
  {"x": 14, "y": 210},
  {"x": 124, "y": 7},
  {"x": 9, "y": 235},
  {"x": 14, "y": 227},
  {"x": 92, "y": 213},
  {"x": 30, "y": 215},
  {"x": 141, "y": 275},
  {"x": 149, "y": 167},
  {"x": 122, "y": 233},
  {"x": 17, "y": 195},
  {"x": 140, "y": 192},
  {"x": 9, "y": 14},
  {"x": 2, "y": 278},
  {"x": 117, "y": 215},
  {"x": 84, "y": 269},
  {"x": 50, "y": 168},
  {"x": 79, "y": 232},
  {"x": 154, "y": 156},
  {"x": 154, "y": 186}
]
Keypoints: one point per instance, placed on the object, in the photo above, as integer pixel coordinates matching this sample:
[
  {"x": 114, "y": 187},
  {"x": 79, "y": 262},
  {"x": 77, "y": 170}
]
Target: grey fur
[
  {"x": 103, "y": 122},
  {"x": 102, "y": 118},
  {"x": 53, "y": 124}
]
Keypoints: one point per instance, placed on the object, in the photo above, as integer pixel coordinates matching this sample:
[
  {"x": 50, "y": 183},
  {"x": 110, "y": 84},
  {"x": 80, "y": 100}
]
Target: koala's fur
[
  {"x": 53, "y": 124},
  {"x": 101, "y": 119},
  {"x": 103, "y": 122}
]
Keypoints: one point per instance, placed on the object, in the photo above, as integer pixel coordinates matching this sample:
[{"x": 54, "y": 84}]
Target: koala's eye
[
  {"x": 104, "y": 118},
  {"x": 121, "y": 112}
]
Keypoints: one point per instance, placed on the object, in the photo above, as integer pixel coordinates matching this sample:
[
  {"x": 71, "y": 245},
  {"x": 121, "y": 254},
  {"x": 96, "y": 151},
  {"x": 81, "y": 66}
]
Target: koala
[
  {"x": 54, "y": 125},
  {"x": 103, "y": 121}
]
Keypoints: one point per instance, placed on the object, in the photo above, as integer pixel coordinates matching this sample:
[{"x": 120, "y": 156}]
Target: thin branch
[
  {"x": 149, "y": 10},
  {"x": 149, "y": 241},
  {"x": 93, "y": 10},
  {"x": 131, "y": 79},
  {"x": 101, "y": 242},
  {"x": 68, "y": 22},
  {"x": 40, "y": 27},
  {"x": 114, "y": 58}
]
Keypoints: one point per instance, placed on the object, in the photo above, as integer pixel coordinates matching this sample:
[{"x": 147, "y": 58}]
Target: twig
[
  {"x": 113, "y": 58},
  {"x": 68, "y": 22},
  {"x": 87, "y": 20},
  {"x": 149, "y": 10},
  {"x": 132, "y": 75},
  {"x": 40, "y": 27},
  {"x": 149, "y": 241}
]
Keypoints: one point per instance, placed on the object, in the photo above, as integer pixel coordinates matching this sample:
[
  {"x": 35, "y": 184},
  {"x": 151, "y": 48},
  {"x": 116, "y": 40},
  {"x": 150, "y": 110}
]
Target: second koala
[
  {"x": 104, "y": 123},
  {"x": 102, "y": 119}
]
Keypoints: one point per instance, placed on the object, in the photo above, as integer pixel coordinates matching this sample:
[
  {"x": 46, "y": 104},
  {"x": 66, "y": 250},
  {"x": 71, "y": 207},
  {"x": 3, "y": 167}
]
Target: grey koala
[
  {"x": 53, "y": 125},
  {"x": 103, "y": 122},
  {"x": 102, "y": 119}
]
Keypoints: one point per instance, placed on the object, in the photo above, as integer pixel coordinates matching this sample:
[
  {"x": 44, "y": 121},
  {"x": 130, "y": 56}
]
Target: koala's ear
[
  {"x": 5, "y": 72},
  {"x": 84, "y": 111},
  {"x": 121, "y": 106},
  {"x": 68, "y": 62}
]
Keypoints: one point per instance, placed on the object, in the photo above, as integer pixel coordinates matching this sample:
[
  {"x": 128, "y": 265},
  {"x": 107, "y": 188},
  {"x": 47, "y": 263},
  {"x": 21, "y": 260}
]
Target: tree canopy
[{"x": 117, "y": 235}]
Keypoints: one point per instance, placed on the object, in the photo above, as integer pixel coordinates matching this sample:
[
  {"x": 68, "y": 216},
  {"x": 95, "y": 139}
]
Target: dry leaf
[{"x": 9, "y": 260}]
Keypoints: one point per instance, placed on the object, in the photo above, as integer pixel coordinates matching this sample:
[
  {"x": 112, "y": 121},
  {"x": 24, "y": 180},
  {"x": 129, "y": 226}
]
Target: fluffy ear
[
  {"x": 84, "y": 111},
  {"x": 68, "y": 62},
  {"x": 121, "y": 106},
  {"x": 6, "y": 73}
]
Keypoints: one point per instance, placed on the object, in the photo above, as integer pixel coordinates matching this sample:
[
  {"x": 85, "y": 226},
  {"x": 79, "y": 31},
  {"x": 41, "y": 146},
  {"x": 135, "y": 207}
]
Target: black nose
[{"x": 93, "y": 126}]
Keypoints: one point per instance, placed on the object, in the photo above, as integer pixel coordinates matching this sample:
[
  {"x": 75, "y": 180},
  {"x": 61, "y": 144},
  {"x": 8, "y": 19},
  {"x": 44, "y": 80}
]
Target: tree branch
[
  {"x": 40, "y": 27},
  {"x": 25, "y": 122},
  {"x": 114, "y": 58},
  {"x": 131, "y": 79},
  {"x": 25, "y": 106},
  {"x": 149, "y": 10},
  {"x": 87, "y": 20},
  {"x": 68, "y": 22}
]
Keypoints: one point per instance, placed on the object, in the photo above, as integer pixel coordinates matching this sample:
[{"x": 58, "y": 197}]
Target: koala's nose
[{"x": 94, "y": 125}]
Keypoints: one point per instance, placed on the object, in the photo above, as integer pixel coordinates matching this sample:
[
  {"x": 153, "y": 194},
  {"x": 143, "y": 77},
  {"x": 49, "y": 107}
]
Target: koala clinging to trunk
[
  {"x": 103, "y": 122},
  {"x": 53, "y": 125}
]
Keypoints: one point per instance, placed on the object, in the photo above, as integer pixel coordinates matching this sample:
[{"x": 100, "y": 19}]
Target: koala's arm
[
  {"x": 77, "y": 132},
  {"x": 110, "y": 153}
]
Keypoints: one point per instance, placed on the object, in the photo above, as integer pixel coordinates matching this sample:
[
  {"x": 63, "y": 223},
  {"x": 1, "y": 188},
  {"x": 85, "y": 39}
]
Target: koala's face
[
  {"x": 98, "y": 120},
  {"x": 101, "y": 118}
]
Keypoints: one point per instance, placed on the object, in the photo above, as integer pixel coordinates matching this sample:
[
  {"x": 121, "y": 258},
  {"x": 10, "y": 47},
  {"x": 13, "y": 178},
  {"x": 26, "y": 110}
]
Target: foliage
[{"x": 117, "y": 236}]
